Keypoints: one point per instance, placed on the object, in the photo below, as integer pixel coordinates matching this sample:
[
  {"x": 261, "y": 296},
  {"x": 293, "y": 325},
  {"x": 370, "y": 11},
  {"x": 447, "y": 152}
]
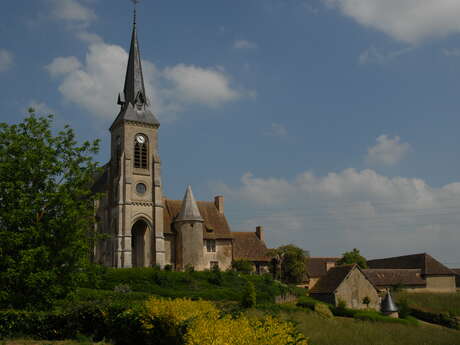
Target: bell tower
[{"x": 135, "y": 193}]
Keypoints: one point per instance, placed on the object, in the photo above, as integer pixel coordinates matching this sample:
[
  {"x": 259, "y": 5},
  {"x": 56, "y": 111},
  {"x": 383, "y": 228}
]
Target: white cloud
[
  {"x": 63, "y": 65},
  {"x": 244, "y": 44},
  {"x": 95, "y": 83},
  {"x": 451, "y": 52},
  {"x": 350, "y": 209},
  {"x": 6, "y": 60},
  {"x": 387, "y": 151},
  {"x": 409, "y": 21},
  {"x": 193, "y": 84},
  {"x": 374, "y": 55},
  {"x": 72, "y": 11},
  {"x": 276, "y": 130}
]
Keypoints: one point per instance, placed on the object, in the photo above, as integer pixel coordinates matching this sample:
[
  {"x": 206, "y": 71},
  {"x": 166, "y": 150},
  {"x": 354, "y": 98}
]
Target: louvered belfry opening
[{"x": 140, "y": 155}]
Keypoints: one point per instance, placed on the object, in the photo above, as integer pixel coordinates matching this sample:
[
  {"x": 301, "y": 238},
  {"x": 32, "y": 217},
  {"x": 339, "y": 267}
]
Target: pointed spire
[
  {"x": 134, "y": 90},
  {"x": 133, "y": 99},
  {"x": 189, "y": 210},
  {"x": 388, "y": 306}
]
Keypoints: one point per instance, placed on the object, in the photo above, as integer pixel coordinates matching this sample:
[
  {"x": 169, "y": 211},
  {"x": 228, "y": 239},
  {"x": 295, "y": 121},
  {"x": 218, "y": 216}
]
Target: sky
[{"x": 332, "y": 123}]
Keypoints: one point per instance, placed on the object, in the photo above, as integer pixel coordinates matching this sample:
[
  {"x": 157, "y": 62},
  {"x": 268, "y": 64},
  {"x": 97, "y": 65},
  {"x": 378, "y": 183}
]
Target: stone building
[
  {"x": 348, "y": 284},
  {"x": 436, "y": 276},
  {"x": 139, "y": 226},
  {"x": 318, "y": 267},
  {"x": 387, "y": 278}
]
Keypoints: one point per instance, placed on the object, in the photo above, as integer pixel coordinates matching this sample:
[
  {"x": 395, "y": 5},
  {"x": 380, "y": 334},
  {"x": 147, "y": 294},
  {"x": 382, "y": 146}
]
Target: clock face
[{"x": 140, "y": 139}]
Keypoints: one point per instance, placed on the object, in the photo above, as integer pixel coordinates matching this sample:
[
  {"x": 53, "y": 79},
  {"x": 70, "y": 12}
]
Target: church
[{"x": 137, "y": 225}]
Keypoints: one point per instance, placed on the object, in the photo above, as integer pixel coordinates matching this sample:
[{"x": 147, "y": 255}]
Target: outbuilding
[{"x": 349, "y": 284}]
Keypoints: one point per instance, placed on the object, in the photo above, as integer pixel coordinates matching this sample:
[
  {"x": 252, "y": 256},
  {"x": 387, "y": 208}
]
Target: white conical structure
[{"x": 189, "y": 210}]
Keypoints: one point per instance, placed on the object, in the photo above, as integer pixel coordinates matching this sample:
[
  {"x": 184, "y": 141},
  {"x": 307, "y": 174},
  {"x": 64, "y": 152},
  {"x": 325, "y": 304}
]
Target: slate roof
[
  {"x": 246, "y": 245},
  {"x": 425, "y": 262},
  {"x": 385, "y": 277},
  {"x": 317, "y": 266},
  {"x": 456, "y": 271},
  {"x": 388, "y": 306},
  {"x": 189, "y": 209},
  {"x": 134, "y": 90},
  {"x": 215, "y": 223},
  {"x": 332, "y": 280}
]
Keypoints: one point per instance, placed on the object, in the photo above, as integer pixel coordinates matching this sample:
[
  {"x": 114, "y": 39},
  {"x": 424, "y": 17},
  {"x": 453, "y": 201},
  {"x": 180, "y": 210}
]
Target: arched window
[{"x": 140, "y": 152}]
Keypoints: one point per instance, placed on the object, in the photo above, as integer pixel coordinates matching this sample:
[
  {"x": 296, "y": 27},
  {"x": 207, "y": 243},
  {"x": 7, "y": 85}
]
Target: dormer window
[{"x": 140, "y": 152}]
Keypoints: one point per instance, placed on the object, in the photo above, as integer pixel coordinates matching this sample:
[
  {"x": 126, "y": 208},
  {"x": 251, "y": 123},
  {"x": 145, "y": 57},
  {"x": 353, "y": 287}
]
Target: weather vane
[{"x": 135, "y": 2}]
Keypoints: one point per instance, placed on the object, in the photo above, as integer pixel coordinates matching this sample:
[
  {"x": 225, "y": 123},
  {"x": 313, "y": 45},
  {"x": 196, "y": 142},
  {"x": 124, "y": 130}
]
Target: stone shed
[
  {"x": 349, "y": 284},
  {"x": 437, "y": 276}
]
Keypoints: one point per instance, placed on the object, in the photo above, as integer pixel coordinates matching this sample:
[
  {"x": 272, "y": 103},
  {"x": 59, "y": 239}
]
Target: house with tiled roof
[
  {"x": 349, "y": 284},
  {"x": 457, "y": 276},
  {"x": 318, "y": 267},
  {"x": 437, "y": 277},
  {"x": 388, "y": 278},
  {"x": 140, "y": 227}
]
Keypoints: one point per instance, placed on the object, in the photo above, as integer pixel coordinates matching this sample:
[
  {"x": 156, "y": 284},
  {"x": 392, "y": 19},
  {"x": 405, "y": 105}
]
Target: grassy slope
[
  {"x": 440, "y": 302},
  {"x": 344, "y": 331}
]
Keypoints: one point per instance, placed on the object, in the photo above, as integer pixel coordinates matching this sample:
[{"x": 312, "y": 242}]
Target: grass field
[
  {"x": 433, "y": 302},
  {"x": 346, "y": 331}
]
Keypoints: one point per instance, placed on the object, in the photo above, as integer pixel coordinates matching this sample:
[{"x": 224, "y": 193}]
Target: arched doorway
[{"x": 138, "y": 242}]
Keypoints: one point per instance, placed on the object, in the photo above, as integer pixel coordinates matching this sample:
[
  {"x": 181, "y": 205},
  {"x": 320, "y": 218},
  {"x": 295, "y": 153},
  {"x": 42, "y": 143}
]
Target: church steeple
[
  {"x": 134, "y": 90},
  {"x": 133, "y": 99}
]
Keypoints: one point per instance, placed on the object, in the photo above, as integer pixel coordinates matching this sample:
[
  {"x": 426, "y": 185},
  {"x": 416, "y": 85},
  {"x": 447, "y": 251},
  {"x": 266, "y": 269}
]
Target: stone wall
[
  {"x": 440, "y": 284},
  {"x": 354, "y": 289}
]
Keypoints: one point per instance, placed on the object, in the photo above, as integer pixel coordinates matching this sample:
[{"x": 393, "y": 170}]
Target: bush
[
  {"x": 443, "y": 319},
  {"x": 375, "y": 316},
  {"x": 249, "y": 296},
  {"x": 243, "y": 266},
  {"x": 307, "y": 302}
]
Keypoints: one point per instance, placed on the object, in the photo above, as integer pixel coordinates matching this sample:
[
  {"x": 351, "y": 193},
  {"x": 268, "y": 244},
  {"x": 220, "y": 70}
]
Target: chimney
[
  {"x": 219, "y": 202},
  {"x": 260, "y": 233}
]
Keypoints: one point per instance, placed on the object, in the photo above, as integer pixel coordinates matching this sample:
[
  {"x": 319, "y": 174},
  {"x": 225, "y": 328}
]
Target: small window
[
  {"x": 214, "y": 265},
  {"x": 210, "y": 246}
]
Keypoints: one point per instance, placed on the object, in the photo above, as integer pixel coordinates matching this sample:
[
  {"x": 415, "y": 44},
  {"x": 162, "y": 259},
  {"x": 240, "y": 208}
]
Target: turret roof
[{"x": 189, "y": 210}]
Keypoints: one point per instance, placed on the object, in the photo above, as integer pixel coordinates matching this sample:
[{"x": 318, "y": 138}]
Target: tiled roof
[
  {"x": 331, "y": 281},
  {"x": 425, "y": 262},
  {"x": 317, "y": 266},
  {"x": 215, "y": 223},
  {"x": 456, "y": 271},
  {"x": 246, "y": 245},
  {"x": 384, "y": 277}
]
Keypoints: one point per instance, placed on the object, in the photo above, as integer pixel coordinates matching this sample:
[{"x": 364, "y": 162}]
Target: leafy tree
[
  {"x": 289, "y": 264},
  {"x": 46, "y": 211},
  {"x": 243, "y": 266},
  {"x": 353, "y": 257}
]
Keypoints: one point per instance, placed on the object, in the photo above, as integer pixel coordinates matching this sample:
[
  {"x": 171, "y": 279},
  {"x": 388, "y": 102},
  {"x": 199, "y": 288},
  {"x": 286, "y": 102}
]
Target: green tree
[
  {"x": 46, "y": 211},
  {"x": 353, "y": 257},
  {"x": 289, "y": 264}
]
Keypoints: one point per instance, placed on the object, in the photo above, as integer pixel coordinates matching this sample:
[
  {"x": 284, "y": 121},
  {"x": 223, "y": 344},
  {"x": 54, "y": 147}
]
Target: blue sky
[{"x": 333, "y": 123}]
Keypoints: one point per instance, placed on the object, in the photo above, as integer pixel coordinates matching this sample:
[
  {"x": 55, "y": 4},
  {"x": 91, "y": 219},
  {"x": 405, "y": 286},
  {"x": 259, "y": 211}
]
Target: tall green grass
[
  {"x": 347, "y": 331},
  {"x": 432, "y": 302}
]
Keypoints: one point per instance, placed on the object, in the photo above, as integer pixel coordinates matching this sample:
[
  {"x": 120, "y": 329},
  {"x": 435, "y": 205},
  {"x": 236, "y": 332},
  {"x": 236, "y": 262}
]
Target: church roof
[
  {"x": 425, "y": 262},
  {"x": 189, "y": 209},
  {"x": 215, "y": 223},
  {"x": 133, "y": 99},
  {"x": 247, "y": 246}
]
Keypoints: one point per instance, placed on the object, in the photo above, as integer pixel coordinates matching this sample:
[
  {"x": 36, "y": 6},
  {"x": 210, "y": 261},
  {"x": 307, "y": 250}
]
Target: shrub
[
  {"x": 122, "y": 288},
  {"x": 307, "y": 302},
  {"x": 249, "y": 296},
  {"x": 375, "y": 316},
  {"x": 443, "y": 319},
  {"x": 243, "y": 266}
]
